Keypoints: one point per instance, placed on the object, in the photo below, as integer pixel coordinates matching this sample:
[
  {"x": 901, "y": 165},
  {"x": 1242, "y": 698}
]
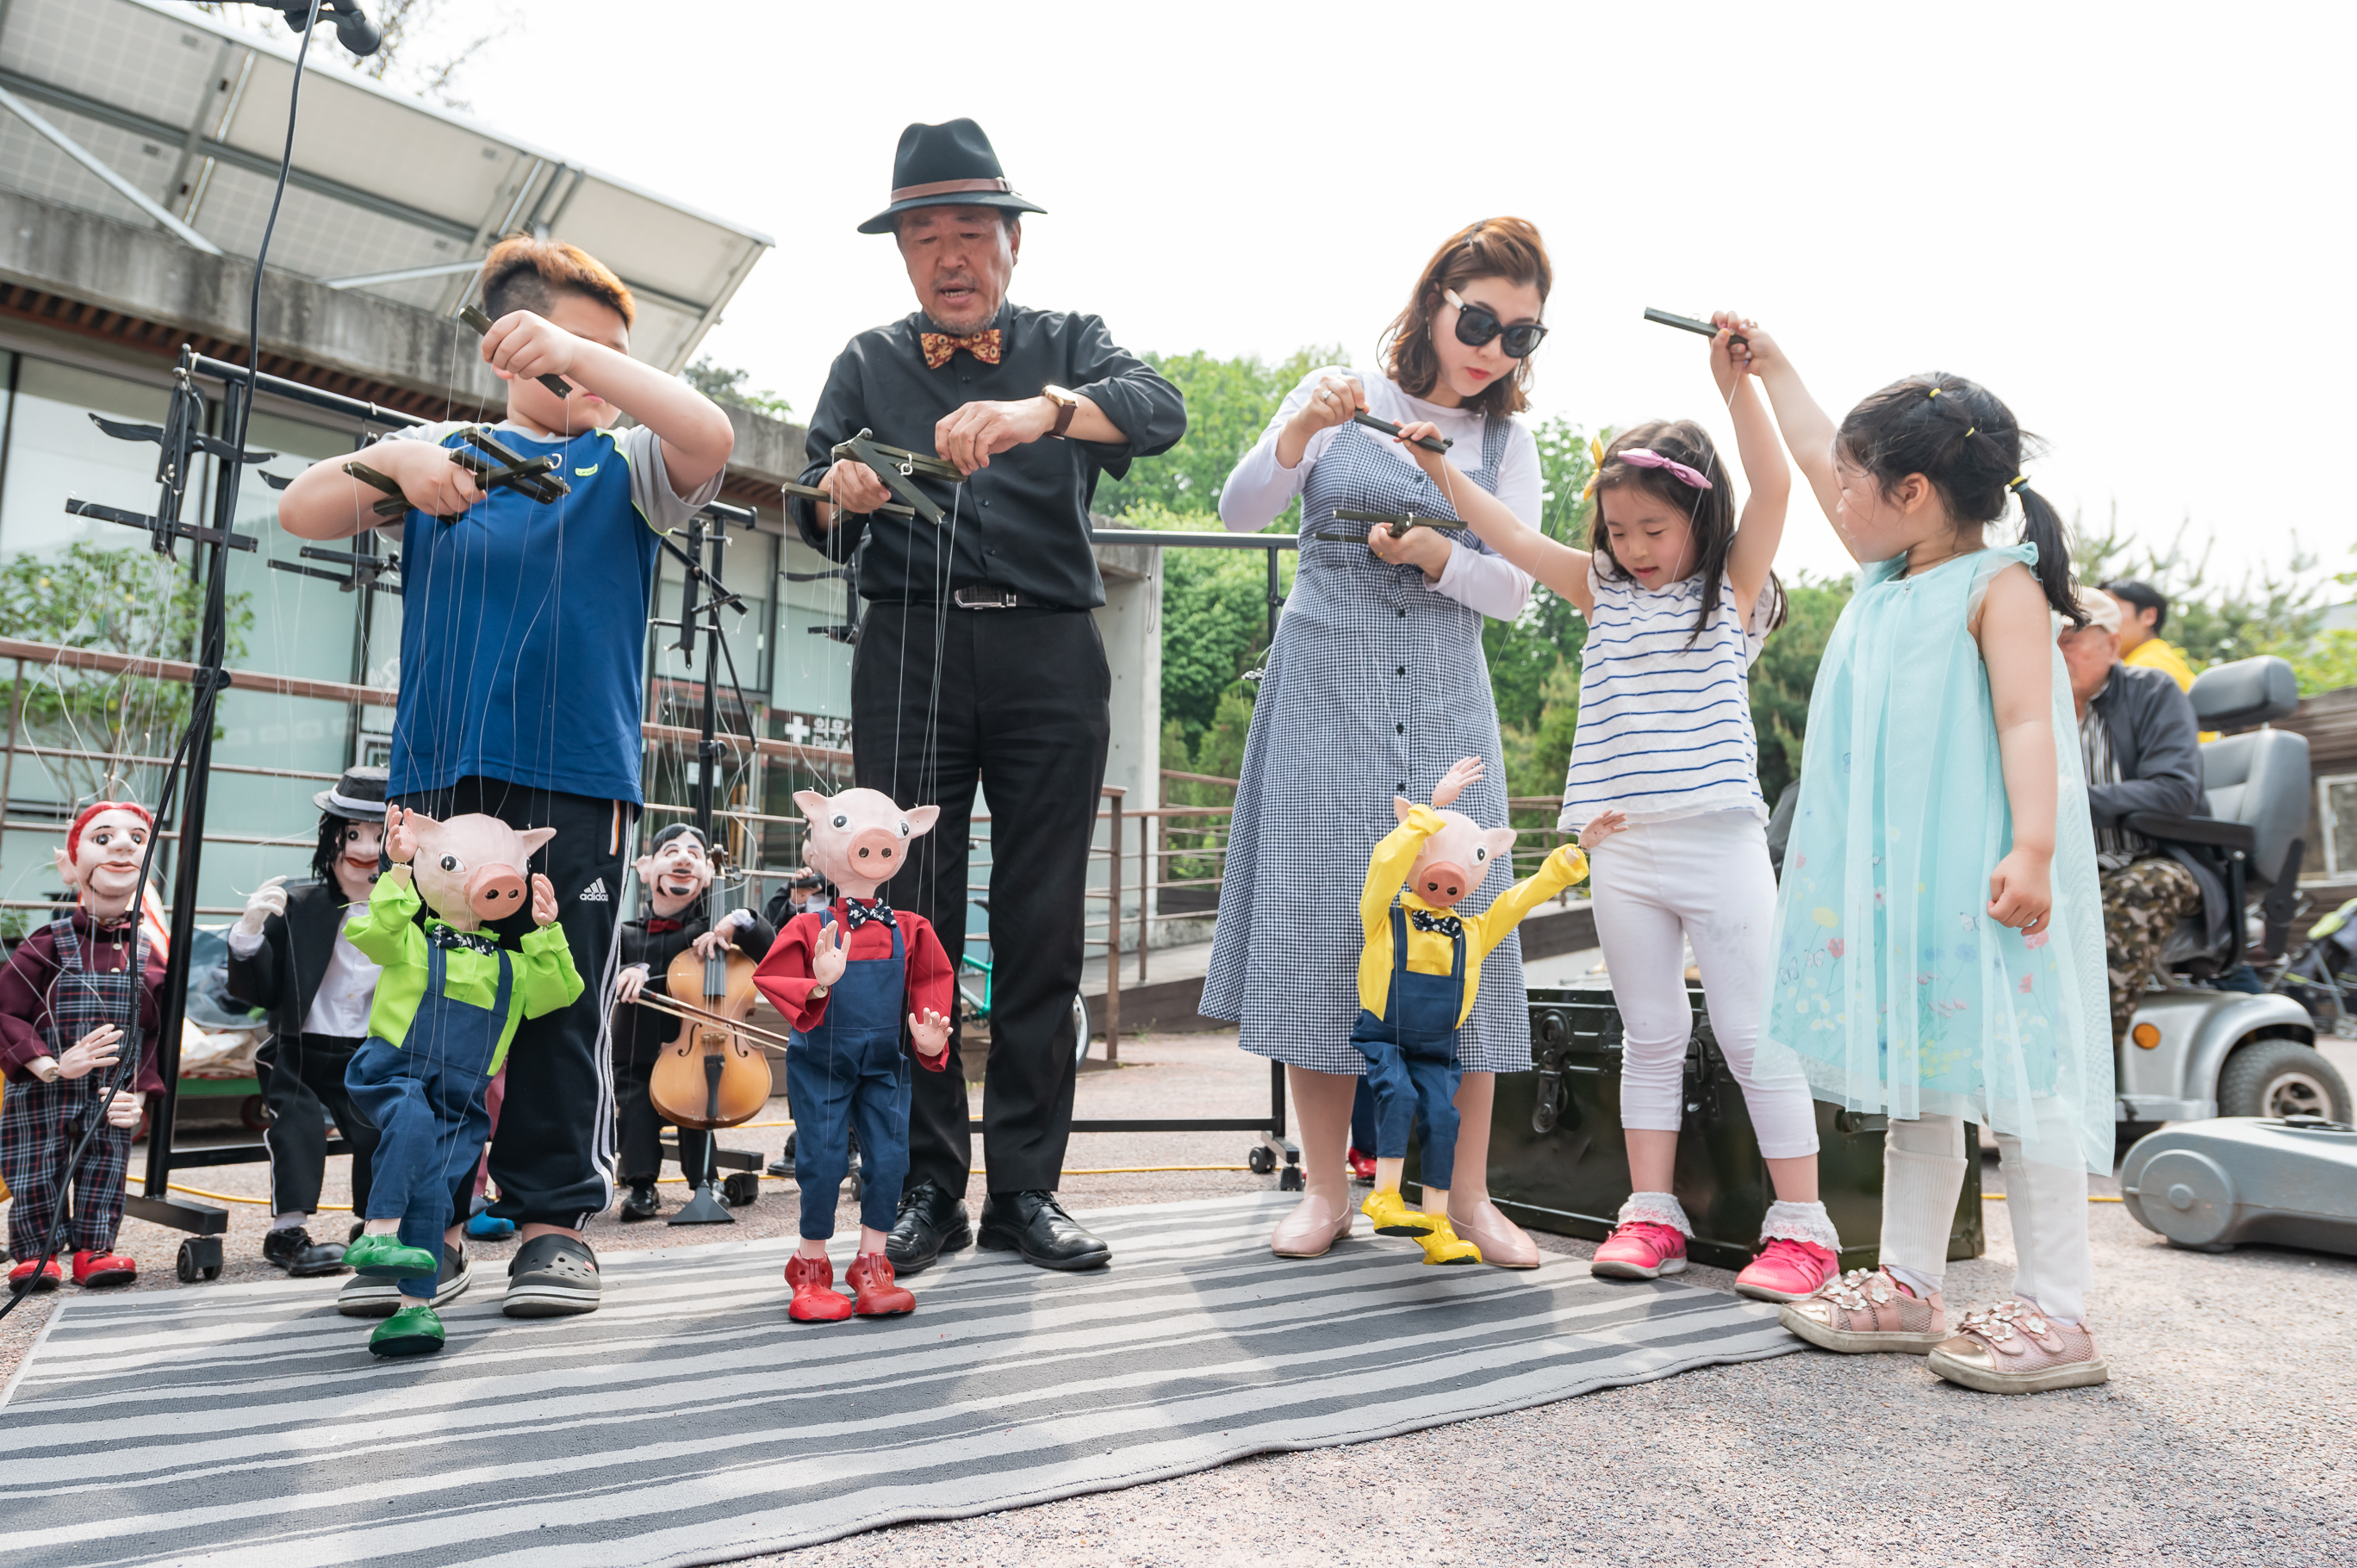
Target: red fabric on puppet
[{"x": 65, "y": 994}]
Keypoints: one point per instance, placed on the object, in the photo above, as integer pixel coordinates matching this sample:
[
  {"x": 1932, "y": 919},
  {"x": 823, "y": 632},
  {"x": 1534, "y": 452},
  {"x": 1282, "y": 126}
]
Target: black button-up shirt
[{"x": 1020, "y": 524}]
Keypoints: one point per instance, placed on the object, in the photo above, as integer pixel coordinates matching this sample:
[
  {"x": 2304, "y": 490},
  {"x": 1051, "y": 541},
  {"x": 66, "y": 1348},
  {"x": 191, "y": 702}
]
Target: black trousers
[
  {"x": 642, "y": 1124},
  {"x": 552, "y": 1156},
  {"x": 1020, "y": 707},
  {"x": 303, "y": 1084}
]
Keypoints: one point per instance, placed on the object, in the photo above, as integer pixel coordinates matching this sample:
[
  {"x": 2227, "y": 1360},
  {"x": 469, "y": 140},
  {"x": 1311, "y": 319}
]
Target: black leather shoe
[
  {"x": 1035, "y": 1224},
  {"x": 639, "y": 1202},
  {"x": 293, "y": 1250},
  {"x": 930, "y": 1223}
]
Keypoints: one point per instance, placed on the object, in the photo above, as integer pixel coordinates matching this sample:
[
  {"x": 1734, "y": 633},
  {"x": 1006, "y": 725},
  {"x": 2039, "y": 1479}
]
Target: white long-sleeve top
[{"x": 1260, "y": 488}]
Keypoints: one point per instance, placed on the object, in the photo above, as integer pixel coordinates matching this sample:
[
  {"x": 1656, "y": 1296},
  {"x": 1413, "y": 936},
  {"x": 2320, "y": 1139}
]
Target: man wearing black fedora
[
  {"x": 287, "y": 955},
  {"x": 977, "y": 660}
]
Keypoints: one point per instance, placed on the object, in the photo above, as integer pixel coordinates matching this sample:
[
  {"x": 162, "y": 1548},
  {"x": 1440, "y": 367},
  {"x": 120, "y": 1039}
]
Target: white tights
[
  {"x": 1924, "y": 1173},
  {"x": 1704, "y": 879}
]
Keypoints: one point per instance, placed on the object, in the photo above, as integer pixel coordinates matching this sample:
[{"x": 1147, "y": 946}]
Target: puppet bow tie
[
  {"x": 657, "y": 924},
  {"x": 940, "y": 346},
  {"x": 473, "y": 941},
  {"x": 1447, "y": 925},
  {"x": 857, "y": 915}
]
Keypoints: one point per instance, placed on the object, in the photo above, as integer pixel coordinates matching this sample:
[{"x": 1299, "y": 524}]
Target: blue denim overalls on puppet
[
  {"x": 853, "y": 1070},
  {"x": 426, "y": 1097},
  {"x": 1412, "y": 1057}
]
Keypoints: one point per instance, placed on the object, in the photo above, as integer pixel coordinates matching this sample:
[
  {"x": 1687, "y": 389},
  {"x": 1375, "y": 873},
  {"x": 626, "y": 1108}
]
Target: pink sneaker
[
  {"x": 1787, "y": 1270},
  {"x": 1866, "y": 1309},
  {"x": 1640, "y": 1249},
  {"x": 2017, "y": 1350}
]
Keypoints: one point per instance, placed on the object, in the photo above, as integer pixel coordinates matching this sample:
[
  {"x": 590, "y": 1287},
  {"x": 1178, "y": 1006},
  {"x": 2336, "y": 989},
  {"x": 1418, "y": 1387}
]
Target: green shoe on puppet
[
  {"x": 386, "y": 1255},
  {"x": 414, "y": 1330}
]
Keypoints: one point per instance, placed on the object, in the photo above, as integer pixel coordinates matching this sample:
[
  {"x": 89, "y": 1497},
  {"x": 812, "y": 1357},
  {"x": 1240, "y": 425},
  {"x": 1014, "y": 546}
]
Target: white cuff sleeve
[
  {"x": 243, "y": 944},
  {"x": 1489, "y": 583}
]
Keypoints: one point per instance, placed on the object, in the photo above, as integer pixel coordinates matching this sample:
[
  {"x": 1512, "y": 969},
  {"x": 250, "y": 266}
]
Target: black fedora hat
[
  {"x": 949, "y": 165},
  {"x": 358, "y": 794}
]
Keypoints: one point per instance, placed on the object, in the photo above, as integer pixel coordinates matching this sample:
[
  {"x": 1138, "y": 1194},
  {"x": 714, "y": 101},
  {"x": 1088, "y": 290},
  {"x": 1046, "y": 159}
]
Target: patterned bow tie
[
  {"x": 940, "y": 346},
  {"x": 857, "y": 915},
  {"x": 656, "y": 926},
  {"x": 1447, "y": 925},
  {"x": 473, "y": 941}
]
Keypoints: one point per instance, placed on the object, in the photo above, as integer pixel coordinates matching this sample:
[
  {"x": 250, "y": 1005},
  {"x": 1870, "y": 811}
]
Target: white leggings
[
  {"x": 1704, "y": 879},
  {"x": 1923, "y": 1172}
]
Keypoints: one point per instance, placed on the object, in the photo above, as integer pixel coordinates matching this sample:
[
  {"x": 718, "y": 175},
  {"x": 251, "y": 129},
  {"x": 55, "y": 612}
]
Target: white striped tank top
[{"x": 1664, "y": 725}]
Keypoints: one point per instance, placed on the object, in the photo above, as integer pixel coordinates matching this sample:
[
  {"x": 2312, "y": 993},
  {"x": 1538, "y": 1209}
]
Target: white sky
[{"x": 2130, "y": 222}]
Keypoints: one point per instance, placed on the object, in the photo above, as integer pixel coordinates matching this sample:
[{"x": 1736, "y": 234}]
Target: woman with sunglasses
[{"x": 1376, "y": 686}]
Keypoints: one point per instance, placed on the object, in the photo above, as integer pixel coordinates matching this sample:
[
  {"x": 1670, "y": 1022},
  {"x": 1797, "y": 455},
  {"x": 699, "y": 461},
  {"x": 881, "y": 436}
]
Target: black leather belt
[{"x": 992, "y": 599}]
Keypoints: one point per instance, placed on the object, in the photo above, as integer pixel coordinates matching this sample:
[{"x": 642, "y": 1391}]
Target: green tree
[
  {"x": 726, "y": 386},
  {"x": 2328, "y": 665},
  {"x": 1229, "y": 404},
  {"x": 120, "y": 601},
  {"x": 1214, "y": 621},
  {"x": 2266, "y": 612},
  {"x": 1787, "y": 672}
]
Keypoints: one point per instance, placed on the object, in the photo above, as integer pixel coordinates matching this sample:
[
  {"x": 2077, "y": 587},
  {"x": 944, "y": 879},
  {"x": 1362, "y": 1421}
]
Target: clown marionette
[
  {"x": 845, "y": 976},
  {"x": 1418, "y": 976},
  {"x": 66, "y": 997},
  {"x": 447, "y": 1005}
]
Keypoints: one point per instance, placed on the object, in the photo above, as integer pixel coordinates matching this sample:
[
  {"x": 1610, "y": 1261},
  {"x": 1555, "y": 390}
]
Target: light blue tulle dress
[{"x": 1893, "y": 987}]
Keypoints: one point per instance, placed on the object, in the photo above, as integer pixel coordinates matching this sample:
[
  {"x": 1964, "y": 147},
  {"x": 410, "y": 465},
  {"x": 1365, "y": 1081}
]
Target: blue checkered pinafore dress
[{"x": 1377, "y": 685}]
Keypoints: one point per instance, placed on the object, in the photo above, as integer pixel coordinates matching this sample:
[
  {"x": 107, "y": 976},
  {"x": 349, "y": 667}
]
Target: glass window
[{"x": 54, "y": 452}]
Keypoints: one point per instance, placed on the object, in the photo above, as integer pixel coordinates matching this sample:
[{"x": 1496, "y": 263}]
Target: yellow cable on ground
[
  {"x": 2091, "y": 1198},
  {"x": 232, "y": 1198}
]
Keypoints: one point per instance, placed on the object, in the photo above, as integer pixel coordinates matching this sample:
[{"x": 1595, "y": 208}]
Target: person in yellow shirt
[
  {"x": 2143, "y": 610},
  {"x": 1419, "y": 975}
]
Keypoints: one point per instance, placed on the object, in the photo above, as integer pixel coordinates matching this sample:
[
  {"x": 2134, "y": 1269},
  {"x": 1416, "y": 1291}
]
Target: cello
[{"x": 714, "y": 1074}]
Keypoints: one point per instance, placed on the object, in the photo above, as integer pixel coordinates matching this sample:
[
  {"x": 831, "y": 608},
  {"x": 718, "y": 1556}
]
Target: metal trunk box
[{"x": 1558, "y": 1161}]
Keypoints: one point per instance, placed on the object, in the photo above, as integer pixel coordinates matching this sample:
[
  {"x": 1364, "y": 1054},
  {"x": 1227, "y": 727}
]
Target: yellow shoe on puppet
[
  {"x": 1442, "y": 1244},
  {"x": 1392, "y": 1216}
]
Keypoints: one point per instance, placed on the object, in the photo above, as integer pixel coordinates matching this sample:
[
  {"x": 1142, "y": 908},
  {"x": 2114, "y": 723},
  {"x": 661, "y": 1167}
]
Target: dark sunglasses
[{"x": 1477, "y": 324}]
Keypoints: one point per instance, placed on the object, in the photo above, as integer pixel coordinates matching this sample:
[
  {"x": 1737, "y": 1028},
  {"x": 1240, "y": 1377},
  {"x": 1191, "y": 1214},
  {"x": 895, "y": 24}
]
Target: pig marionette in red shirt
[{"x": 846, "y": 978}]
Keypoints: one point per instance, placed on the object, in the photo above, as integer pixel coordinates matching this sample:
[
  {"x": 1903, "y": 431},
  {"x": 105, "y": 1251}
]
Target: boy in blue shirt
[{"x": 524, "y": 635}]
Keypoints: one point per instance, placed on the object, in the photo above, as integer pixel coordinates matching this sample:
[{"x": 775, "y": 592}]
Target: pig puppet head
[
  {"x": 1455, "y": 860},
  {"x": 472, "y": 869},
  {"x": 859, "y": 840}
]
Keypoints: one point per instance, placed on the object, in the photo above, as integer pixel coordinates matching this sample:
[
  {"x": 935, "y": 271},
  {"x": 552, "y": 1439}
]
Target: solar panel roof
[{"x": 389, "y": 195}]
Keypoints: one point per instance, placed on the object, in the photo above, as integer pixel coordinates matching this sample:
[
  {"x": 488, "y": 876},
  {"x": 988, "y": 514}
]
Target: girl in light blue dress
[{"x": 1938, "y": 946}]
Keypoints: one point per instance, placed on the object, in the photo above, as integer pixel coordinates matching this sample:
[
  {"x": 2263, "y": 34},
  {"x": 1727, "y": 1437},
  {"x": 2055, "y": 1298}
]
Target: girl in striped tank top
[{"x": 1679, "y": 597}]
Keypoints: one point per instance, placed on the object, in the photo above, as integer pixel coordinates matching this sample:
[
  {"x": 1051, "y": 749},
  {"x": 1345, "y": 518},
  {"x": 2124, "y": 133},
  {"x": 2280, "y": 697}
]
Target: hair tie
[
  {"x": 1935, "y": 391},
  {"x": 2020, "y": 482},
  {"x": 1646, "y": 457},
  {"x": 1969, "y": 431}
]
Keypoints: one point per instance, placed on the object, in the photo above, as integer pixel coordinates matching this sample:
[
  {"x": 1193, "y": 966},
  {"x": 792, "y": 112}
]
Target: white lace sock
[
  {"x": 1801, "y": 1222},
  {"x": 1657, "y": 1208},
  {"x": 290, "y": 1223}
]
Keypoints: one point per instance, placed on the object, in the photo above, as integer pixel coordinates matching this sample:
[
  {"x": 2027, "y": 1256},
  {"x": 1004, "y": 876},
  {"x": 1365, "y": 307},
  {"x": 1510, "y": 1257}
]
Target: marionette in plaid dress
[
  {"x": 67, "y": 995},
  {"x": 1376, "y": 687}
]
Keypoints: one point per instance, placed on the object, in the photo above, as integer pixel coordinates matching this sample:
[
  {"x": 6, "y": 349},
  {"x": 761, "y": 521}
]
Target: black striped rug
[{"x": 688, "y": 1421}]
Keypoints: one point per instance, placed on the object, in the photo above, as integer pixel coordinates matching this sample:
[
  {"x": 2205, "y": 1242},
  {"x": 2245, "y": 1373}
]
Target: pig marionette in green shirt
[{"x": 447, "y": 1006}]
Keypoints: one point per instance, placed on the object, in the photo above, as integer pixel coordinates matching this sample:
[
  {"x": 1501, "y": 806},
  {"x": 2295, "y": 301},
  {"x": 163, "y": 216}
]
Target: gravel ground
[{"x": 2219, "y": 1439}]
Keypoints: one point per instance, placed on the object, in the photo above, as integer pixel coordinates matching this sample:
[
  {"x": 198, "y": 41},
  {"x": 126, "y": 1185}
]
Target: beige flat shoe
[
  {"x": 1313, "y": 1227},
  {"x": 1502, "y": 1241}
]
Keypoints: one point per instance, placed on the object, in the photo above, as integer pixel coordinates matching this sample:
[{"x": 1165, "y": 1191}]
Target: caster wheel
[
  {"x": 1291, "y": 1180},
  {"x": 212, "y": 1271},
  {"x": 254, "y": 1113},
  {"x": 1261, "y": 1158},
  {"x": 199, "y": 1257},
  {"x": 740, "y": 1189},
  {"x": 185, "y": 1267}
]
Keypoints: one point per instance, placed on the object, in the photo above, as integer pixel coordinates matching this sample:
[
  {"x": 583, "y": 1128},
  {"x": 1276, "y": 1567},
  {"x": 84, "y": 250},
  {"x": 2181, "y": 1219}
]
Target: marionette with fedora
[
  {"x": 66, "y": 995},
  {"x": 288, "y": 955},
  {"x": 978, "y": 659},
  {"x": 673, "y": 876}
]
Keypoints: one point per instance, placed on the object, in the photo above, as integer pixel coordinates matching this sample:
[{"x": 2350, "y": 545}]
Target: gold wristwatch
[{"x": 1067, "y": 404}]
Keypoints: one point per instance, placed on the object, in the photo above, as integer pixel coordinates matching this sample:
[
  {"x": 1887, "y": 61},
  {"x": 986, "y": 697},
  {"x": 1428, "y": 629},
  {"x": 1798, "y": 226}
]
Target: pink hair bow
[{"x": 1646, "y": 457}]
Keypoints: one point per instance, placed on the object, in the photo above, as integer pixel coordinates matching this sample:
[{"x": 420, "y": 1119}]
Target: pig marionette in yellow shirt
[{"x": 1419, "y": 975}]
